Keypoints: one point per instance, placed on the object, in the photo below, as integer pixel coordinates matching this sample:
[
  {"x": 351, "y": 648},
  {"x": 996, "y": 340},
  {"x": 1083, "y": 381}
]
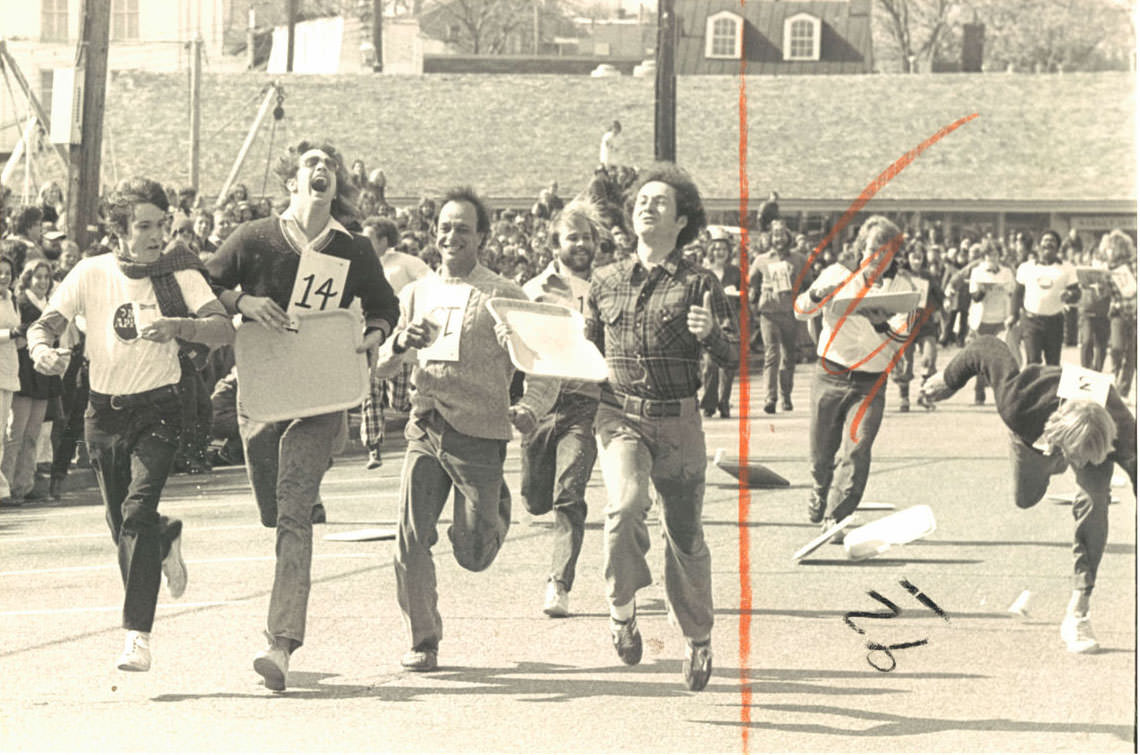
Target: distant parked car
[
  {"x": 646, "y": 68},
  {"x": 605, "y": 70}
]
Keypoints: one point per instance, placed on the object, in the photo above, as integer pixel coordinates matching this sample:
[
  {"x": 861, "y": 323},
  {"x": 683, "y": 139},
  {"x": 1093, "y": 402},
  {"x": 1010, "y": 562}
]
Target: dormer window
[
  {"x": 801, "y": 37},
  {"x": 724, "y": 36}
]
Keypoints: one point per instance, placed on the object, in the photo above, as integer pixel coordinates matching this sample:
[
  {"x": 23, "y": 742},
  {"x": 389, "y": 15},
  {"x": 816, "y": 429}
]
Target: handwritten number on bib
[{"x": 325, "y": 291}]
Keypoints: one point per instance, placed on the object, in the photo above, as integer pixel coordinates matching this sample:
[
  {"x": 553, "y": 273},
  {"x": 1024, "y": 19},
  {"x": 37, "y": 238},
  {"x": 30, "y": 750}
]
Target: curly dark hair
[
  {"x": 689, "y": 201},
  {"x": 467, "y": 194},
  {"x": 344, "y": 203},
  {"x": 120, "y": 208},
  {"x": 26, "y": 217}
]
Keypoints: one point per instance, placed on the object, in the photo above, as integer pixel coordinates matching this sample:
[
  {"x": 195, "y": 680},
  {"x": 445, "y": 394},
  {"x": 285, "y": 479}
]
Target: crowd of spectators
[{"x": 518, "y": 248}]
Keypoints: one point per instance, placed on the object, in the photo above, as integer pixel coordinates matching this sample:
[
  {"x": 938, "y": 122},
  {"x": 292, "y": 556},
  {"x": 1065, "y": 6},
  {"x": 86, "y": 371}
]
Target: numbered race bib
[
  {"x": 1080, "y": 383},
  {"x": 780, "y": 276},
  {"x": 319, "y": 284},
  {"x": 1124, "y": 281},
  {"x": 444, "y": 304}
]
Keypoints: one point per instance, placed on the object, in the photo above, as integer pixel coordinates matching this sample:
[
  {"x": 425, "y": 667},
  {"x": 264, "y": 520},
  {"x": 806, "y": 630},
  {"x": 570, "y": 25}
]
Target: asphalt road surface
[{"x": 789, "y": 673}]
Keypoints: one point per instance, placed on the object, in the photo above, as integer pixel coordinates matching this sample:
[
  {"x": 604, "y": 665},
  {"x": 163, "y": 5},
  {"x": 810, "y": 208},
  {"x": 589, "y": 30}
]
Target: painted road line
[
  {"x": 110, "y": 609},
  {"x": 240, "y": 559},
  {"x": 103, "y": 534}
]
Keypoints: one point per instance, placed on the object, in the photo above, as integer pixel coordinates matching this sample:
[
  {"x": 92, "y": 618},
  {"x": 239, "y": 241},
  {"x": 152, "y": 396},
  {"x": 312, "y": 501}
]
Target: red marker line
[{"x": 744, "y": 498}]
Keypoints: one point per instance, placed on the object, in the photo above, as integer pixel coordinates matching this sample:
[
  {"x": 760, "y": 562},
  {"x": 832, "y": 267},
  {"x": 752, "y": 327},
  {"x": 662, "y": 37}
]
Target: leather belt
[
  {"x": 645, "y": 407},
  {"x": 121, "y": 401}
]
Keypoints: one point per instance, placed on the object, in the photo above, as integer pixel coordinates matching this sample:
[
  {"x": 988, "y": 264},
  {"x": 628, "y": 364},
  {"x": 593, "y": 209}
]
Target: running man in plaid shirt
[{"x": 652, "y": 315}]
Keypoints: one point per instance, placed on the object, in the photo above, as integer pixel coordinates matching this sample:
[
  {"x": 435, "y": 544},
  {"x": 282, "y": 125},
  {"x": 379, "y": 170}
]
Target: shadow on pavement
[
  {"x": 894, "y": 725},
  {"x": 1124, "y": 549},
  {"x": 572, "y": 683},
  {"x": 885, "y": 561}
]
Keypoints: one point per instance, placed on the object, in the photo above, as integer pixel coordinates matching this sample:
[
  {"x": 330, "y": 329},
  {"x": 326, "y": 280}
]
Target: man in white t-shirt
[
  {"x": 1043, "y": 289},
  {"x": 136, "y": 302},
  {"x": 991, "y": 290},
  {"x": 400, "y": 269}
]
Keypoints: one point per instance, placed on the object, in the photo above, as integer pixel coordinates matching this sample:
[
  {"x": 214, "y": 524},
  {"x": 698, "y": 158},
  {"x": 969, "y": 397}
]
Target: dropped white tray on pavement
[
  {"x": 314, "y": 370},
  {"x": 758, "y": 475},
  {"x": 822, "y": 538},
  {"x": 879, "y": 536},
  {"x": 549, "y": 340}
]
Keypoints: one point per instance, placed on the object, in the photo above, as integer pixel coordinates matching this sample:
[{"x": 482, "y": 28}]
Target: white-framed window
[
  {"x": 53, "y": 21},
  {"x": 124, "y": 20},
  {"x": 801, "y": 37},
  {"x": 724, "y": 36}
]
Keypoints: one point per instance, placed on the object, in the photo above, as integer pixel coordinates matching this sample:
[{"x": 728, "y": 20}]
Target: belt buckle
[{"x": 115, "y": 402}]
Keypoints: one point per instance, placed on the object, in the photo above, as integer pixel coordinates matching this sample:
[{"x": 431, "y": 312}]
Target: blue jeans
[
  {"x": 669, "y": 452},
  {"x": 1031, "y": 472},
  {"x": 438, "y": 458},
  {"x": 835, "y": 402},
  {"x": 131, "y": 451},
  {"x": 285, "y": 462},
  {"x": 557, "y": 460},
  {"x": 781, "y": 350}
]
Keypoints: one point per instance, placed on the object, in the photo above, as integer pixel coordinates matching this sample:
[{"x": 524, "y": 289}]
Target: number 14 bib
[{"x": 319, "y": 284}]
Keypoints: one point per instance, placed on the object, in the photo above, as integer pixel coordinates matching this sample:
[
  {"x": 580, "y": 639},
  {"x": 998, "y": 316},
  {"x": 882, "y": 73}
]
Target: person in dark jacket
[
  {"x": 1049, "y": 434},
  {"x": 29, "y": 405}
]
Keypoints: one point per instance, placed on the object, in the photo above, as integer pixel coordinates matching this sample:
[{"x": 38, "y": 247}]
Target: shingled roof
[{"x": 1036, "y": 138}]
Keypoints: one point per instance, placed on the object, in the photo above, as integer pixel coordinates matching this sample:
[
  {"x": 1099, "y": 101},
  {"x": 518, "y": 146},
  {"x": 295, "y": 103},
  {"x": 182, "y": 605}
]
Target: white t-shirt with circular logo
[
  {"x": 116, "y": 308},
  {"x": 1044, "y": 285}
]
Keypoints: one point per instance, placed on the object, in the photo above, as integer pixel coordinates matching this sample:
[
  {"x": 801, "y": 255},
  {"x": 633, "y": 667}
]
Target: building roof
[
  {"x": 845, "y": 36},
  {"x": 1036, "y": 138}
]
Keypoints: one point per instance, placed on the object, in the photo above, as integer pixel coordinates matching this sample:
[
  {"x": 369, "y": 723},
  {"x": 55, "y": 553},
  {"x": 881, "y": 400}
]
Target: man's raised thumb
[{"x": 707, "y": 303}]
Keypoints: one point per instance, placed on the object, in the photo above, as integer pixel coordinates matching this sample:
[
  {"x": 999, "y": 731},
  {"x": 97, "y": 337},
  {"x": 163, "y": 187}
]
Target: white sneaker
[
  {"x": 136, "y": 652},
  {"x": 273, "y": 665},
  {"x": 175, "y": 569},
  {"x": 557, "y": 603},
  {"x": 1078, "y": 635}
]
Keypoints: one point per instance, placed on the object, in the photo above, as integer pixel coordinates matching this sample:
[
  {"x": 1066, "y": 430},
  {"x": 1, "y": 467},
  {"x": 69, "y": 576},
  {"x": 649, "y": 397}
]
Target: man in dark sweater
[
  {"x": 1047, "y": 435},
  {"x": 268, "y": 259}
]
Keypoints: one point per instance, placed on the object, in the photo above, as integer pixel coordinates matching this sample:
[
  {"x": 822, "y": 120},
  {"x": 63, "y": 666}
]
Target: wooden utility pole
[
  {"x": 86, "y": 158},
  {"x": 291, "y": 9},
  {"x": 250, "y": 39},
  {"x": 665, "y": 90},
  {"x": 195, "y": 107},
  {"x": 378, "y": 34}
]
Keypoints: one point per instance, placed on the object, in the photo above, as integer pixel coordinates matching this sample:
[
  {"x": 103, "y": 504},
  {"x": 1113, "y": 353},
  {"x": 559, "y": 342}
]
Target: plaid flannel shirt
[{"x": 638, "y": 319}]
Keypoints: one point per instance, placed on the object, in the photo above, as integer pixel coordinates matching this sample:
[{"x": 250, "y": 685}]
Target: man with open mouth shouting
[{"x": 286, "y": 460}]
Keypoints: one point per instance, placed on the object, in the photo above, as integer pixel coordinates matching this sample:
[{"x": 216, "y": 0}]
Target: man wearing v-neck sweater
[{"x": 286, "y": 460}]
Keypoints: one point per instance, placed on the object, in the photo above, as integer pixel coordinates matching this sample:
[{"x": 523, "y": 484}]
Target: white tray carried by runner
[
  {"x": 891, "y": 301},
  {"x": 314, "y": 370},
  {"x": 549, "y": 340}
]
